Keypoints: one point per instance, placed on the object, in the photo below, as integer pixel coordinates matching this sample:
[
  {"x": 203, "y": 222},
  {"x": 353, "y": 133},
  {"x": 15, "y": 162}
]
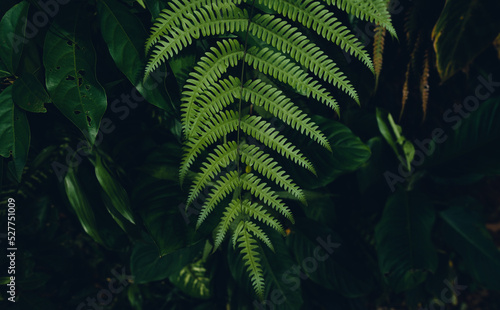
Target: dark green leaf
[
  {"x": 114, "y": 190},
  {"x": 29, "y": 93},
  {"x": 348, "y": 154},
  {"x": 80, "y": 204},
  {"x": 14, "y": 133},
  {"x": 155, "y": 7},
  {"x": 403, "y": 239},
  {"x": 69, "y": 59},
  {"x": 12, "y": 35},
  {"x": 464, "y": 29},
  {"x": 125, "y": 36},
  {"x": 466, "y": 233},
  {"x": 328, "y": 262},
  {"x": 147, "y": 265},
  {"x": 473, "y": 146}
]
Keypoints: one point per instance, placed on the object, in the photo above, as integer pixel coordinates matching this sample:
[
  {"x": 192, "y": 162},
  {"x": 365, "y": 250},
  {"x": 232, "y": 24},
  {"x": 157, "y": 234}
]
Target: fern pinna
[{"x": 225, "y": 106}]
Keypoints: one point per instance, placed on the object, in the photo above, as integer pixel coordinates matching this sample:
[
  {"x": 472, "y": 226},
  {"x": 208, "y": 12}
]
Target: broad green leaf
[
  {"x": 326, "y": 260},
  {"x": 14, "y": 133},
  {"x": 12, "y": 35},
  {"x": 148, "y": 265},
  {"x": 29, "y": 94},
  {"x": 348, "y": 154},
  {"x": 282, "y": 289},
  {"x": 4, "y": 72},
  {"x": 70, "y": 62},
  {"x": 465, "y": 231},
  {"x": 162, "y": 212},
  {"x": 135, "y": 297},
  {"x": 403, "y": 240},
  {"x": 393, "y": 134},
  {"x": 80, "y": 203},
  {"x": 464, "y": 29},
  {"x": 194, "y": 280},
  {"x": 114, "y": 190},
  {"x": 125, "y": 36},
  {"x": 472, "y": 147},
  {"x": 155, "y": 7}
]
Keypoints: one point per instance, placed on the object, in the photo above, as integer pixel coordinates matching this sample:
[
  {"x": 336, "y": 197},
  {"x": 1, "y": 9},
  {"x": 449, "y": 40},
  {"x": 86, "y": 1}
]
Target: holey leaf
[
  {"x": 69, "y": 59},
  {"x": 14, "y": 132},
  {"x": 403, "y": 239}
]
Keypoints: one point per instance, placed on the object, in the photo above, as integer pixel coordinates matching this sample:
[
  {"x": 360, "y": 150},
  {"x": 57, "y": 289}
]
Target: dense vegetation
[{"x": 286, "y": 154}]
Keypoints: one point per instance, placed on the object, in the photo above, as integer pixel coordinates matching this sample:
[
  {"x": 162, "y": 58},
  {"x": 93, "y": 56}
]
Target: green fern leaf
[
  {"x": 261, "y": 190},
  {"x": 222, "y": 124},
  {"x": 258, "y": 212},
  {"x": 281, "y": 35},
  {"x": 257, "y": 231},
  {"x": 273, "y": 101},
  {"x": 221, "y": 157},
  {"x": 232, "y": 210},
  {"x": 374, "y": 11},
  {"x": 268, "y": 167},
  {"x": 261, "y": 130},
  {"x": 209, "y": 20},
  {"x": 312, "y": 14},
  {"x": 176, "y": 14},
  {"x": 224, "y": 186},
  {"x": 251, "y": 258}
]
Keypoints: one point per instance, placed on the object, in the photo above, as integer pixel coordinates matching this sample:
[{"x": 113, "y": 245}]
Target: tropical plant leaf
[
  {"x": 70, "y": 62},
  {"x": 403, "y": 240},
  {"x": 194, "y": 280},
  {"x": 473, "y": 146},
  {"x": 456, "y": 42},
  {"x": 466, "y": 233},
  {"x": 80, "y": 204},
  {"x": 12, "y": 35},
  {"x": 29, "y": 93},
  {"x": 15, "y": 132},
  {"x": 124, "y": 34}
]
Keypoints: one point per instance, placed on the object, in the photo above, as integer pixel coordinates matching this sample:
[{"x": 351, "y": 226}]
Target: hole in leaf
[
  {"x": 89, "y": 120},
  {"x": 69, "y": 43},
  {"x": 81, "y": 72},
  {"x": 80, "y": 82},
  {"x": 70, "y": 78},
  {"x": 87, "y": 87},
  {"x": 77, "y": 112},
  {"x": 58, "y": 67}
]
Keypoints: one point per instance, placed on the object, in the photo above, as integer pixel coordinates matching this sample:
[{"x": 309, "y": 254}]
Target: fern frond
[
  {"x": 213, "y": 100},
  {"x": 258, "y": 212},
  {"x": 276, "y": 103},
  {"x": 286, "y": 71},
  {"x": 215, "y": 128},
  {"x": 261, "y": 190},
  {"x": 259, "y": 233},
  {"x": 232, "y": 210},
  {"x": 175, "y": 15},
  {"x": 268, "y": 167},
  {"x": 248, "y": 247},
  {"x": 223, "y": 187},
  {"x": 261, "y": 130},
  {"x": 281, "y": 35},
  {"x": 374, "y": 11},
  {"x": 312, "y": 14},
  {"x": 424, "y": 83},
  {"x": 208, "y": 69},
  {"x": 208, "y": 20},
  {"x": 221, "y": 157},
  {"x": 378, "y": 51}
]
